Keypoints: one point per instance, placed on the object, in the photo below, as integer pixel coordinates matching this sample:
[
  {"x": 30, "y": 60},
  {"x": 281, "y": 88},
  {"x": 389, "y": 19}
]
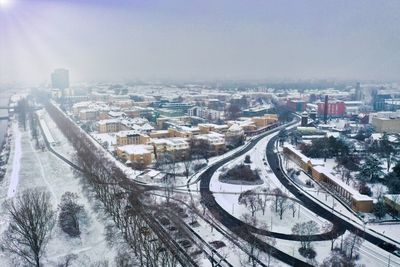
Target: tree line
[{"x": 112, "y": 187}]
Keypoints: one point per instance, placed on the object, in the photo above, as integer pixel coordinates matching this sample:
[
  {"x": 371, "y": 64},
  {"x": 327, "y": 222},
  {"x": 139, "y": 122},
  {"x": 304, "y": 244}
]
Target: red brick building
[{"x": 335, "y": 108}]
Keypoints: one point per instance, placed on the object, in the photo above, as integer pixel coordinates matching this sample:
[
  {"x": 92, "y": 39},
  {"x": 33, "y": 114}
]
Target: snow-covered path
[{"x": 16, "y": 166}]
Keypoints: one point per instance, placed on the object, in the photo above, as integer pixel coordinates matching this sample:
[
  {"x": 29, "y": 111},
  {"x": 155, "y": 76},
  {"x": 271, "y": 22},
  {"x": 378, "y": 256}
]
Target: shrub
[
  {"x": 70, "y": 210},
  {"x": 241, "y": 172},
  {"x": 365, "y": 189},
  {"x": 308, "y": 253}
]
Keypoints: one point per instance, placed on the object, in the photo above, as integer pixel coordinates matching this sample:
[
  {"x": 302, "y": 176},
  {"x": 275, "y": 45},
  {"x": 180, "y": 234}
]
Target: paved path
[{"x": 16, "y": 165}]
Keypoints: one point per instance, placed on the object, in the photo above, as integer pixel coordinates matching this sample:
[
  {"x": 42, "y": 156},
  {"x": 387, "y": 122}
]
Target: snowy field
[{"x": 31, "y": 168}]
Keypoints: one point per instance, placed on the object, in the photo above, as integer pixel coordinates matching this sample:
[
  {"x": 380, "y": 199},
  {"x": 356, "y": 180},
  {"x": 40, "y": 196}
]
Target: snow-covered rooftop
[
  {"x": 354, "y": 193},
  {"x": 136, "y": 149}
]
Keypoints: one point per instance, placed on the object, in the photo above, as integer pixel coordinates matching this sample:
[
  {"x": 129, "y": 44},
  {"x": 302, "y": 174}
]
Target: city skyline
[{"x": 200, "y": 40}]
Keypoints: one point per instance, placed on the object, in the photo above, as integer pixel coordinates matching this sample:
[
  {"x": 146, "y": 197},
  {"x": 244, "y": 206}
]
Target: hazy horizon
[{"x": 199, "y": 40}]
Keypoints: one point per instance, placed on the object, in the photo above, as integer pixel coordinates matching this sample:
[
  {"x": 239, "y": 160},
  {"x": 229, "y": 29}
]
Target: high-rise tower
[{"x": 60, "y": 79}]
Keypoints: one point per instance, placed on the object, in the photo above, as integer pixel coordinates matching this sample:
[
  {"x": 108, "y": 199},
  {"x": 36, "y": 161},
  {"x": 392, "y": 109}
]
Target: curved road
[
  {"x": 244, "y": 230},
  {"x": 237, "y": 226}
]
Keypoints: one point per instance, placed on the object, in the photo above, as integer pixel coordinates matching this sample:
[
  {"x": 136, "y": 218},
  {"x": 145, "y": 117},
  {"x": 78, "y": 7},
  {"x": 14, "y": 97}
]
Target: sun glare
[{"x": 5, "y": 3}]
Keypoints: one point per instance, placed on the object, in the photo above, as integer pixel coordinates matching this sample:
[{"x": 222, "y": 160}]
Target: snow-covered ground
[
  {"x": 16, "y": 160},
  {"x": 227, "y": 195},
  {"x": 43, "y": 169}
]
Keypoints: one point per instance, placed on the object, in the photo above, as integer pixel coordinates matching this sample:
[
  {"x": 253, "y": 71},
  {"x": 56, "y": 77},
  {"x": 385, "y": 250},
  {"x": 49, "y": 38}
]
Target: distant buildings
[
  {"x": 257, "y": 111},
  {"x": 205, "y": 113},
  {"x": 353, "y": 107},
  {"x": 296, "y": 105},
  {"x": 358, "y": 93},
  {"x": 60, "y": 79},
  {"x": 379, "y": 99}
]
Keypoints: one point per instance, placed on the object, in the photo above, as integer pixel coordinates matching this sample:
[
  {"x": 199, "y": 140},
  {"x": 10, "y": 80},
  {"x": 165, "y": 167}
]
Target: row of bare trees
[
  {"x": 112, "y": 187},
  {"x": 257, "y": 201}
]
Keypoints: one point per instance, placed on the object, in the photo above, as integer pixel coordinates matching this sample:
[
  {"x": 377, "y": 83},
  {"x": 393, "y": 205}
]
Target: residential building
[
  {"x": 234, "y": 136},
  {"x": 179, "y": 147},
  {"x": 110, "y": 126},
  {"x": 173, "y": 132},
  {"x": 264, "y": 121},
  {"x": 131, "y": 138},
  {"x": 206, "y": 128},
  {"x": 321, "y": 174},
  {"x": 215, "y": 142},
  {"x": 136, "y": 155}
]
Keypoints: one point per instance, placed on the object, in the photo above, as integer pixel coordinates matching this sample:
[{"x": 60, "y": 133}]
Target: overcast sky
[{"x": 206, "y": 39}]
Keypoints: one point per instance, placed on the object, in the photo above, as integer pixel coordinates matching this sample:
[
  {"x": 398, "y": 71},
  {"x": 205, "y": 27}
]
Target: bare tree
[
  {"x": 329, "y": 229},
  {"x": 341, "y": 170},
  {"x": 272, "y": 243},
  {"x": 193, "y": 212},
  {"x": 200, "y": 148},
  {"x": 31, "y": 221},
  {"x": 265, "y": 199},
  {"x": 305, "y": 230},
  {"x": 293, "y": 207},
  {"x": 283, "y": 205},
  {"x": 250, "y": 200},
  {"x": 280, "y": 202},
  {"x": 67, "y": 260},
  {"x": 337, "y": 259},
  {"x": 277, "y": 192},
  {"x": 188, "y": 164},
  {"x": 254, "y": 253},
  {"x": 352, "y": 244}
]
